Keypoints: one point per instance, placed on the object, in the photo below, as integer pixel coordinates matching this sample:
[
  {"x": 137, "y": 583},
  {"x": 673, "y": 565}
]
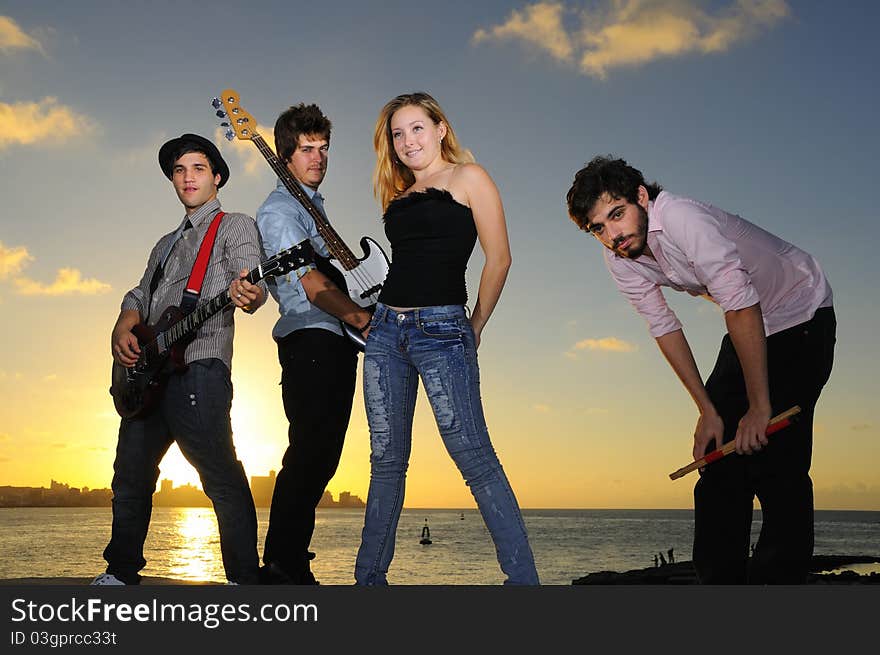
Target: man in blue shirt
[{"x": 318, "y": 362}]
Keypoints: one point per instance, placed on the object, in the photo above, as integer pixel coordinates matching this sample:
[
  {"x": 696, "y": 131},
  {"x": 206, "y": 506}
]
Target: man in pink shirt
[{"x": 778, "y": 352}]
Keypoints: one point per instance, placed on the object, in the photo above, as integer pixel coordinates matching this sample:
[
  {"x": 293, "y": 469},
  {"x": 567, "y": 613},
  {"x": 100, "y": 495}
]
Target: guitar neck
[
  {"x": 194, "y": 320},
  {"x": 334, "y": 242}
]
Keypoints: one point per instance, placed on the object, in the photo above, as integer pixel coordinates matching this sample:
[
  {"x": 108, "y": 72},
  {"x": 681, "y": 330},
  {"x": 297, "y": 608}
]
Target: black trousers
[
  {"x": 194, "y": 411},
  {"x": 799, "y": 362},
  {"x": 318, "y": 373}
]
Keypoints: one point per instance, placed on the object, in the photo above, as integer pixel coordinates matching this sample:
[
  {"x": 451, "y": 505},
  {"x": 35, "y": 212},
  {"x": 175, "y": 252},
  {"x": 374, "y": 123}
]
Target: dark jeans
[
  {"x": 318, "y": 372},
  {"x": 194, "y": 412},
  {"x": 799, "y": 362}
]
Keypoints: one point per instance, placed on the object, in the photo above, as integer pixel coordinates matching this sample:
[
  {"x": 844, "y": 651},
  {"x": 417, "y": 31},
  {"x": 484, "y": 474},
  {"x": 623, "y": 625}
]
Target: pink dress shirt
[{"x": 708, "y": 252}]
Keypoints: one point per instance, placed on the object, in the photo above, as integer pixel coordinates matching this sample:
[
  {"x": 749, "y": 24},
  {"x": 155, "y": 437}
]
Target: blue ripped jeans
[{"x": 436, "y": 344}]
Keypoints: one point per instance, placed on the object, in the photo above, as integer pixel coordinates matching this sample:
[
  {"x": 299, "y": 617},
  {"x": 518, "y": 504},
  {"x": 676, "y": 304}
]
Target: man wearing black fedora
[{"x": 193, "y": 408}]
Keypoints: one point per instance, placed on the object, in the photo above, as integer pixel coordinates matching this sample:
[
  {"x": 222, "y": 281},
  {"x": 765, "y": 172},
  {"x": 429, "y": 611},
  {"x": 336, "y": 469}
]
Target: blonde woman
[{"x": 437, "y": 203}]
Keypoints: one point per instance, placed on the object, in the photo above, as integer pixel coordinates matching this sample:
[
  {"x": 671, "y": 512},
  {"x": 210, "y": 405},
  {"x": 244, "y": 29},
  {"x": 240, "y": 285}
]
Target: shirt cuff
[{"x": 131, "y": 302}]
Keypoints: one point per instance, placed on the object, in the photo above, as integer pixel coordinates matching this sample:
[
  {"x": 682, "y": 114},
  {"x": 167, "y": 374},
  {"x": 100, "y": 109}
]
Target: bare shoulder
[
  {"x": 471, "y": 183},
  {"x": 471, "y": 173}
]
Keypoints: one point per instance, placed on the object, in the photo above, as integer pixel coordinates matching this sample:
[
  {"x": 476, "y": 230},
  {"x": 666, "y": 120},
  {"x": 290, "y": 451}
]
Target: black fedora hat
[{"x": 172, "y": 147}]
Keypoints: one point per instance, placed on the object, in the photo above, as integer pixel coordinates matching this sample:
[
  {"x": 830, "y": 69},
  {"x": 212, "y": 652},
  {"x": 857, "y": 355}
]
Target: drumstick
[{"x": 776, "y": 423}]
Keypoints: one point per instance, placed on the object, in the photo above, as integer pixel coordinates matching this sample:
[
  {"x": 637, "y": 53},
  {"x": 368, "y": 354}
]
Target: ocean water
[{"x": 183, "y": 542}]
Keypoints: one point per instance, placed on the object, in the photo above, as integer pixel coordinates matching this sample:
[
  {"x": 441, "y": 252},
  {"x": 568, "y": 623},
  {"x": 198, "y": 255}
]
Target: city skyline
[
  {"x": 62, "y": 494},
  {"x": 758, "y": 107}
]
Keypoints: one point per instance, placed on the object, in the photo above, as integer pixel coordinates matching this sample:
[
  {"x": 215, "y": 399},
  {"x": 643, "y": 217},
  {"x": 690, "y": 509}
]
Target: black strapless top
[{"x": 432, "y": 237}]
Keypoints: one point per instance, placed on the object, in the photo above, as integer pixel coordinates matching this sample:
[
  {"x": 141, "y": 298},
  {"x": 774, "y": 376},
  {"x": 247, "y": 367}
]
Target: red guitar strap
[{"x": 197, "y": 276}]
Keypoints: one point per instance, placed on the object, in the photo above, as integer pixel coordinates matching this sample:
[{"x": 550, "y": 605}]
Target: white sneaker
[{"x": 107, "y": 579}]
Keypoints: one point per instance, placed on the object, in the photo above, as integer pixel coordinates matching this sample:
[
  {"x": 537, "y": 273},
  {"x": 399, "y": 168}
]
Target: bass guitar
[
  {"x": 360, "y": 277},
  {"x": 137, "y": 389}
]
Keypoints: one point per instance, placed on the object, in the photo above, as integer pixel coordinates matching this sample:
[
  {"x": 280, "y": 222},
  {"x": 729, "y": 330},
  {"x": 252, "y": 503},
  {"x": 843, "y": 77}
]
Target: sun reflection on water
[{"x": 194, "y": 551}]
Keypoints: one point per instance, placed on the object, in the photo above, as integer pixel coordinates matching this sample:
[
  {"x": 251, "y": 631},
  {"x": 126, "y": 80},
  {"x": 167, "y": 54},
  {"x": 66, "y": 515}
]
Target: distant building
[
  {"x": 57, "y": 495},
  {"x": 348, "y": 500},
  {"x": 262, "y": 487},
  {"x": 60, "y": 494},
  {"x": 184, "y": 496},
  {"x": 326, "y": 500}
]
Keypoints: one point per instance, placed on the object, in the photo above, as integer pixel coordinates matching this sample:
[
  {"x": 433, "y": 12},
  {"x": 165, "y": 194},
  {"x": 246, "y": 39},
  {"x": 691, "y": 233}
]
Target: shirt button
[
  {"x": 192, "y": 396},
  {"x": 400, "y": 317}
]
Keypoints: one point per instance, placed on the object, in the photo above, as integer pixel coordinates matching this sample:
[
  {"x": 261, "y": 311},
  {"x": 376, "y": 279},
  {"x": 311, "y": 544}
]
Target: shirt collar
[
  {"x": 205, "y": 211},
  {"x": 310, "y": 192},
  {"x": 655, "y": 218}
]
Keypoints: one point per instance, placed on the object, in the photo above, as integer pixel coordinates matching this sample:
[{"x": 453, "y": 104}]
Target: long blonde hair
[{"x": 391, "y": 177}]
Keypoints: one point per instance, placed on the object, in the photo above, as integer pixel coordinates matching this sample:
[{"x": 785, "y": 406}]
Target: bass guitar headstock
[{"x": 235, "y": 118}]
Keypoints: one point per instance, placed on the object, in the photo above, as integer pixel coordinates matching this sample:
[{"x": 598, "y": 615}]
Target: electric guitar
[
  {"x": 361, "y": 278},
  {"x": 137, "y": 389}
]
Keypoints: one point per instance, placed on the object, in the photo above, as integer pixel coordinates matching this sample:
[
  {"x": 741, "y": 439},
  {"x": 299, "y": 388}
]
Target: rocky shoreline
[{"x": 824, "y": 569}]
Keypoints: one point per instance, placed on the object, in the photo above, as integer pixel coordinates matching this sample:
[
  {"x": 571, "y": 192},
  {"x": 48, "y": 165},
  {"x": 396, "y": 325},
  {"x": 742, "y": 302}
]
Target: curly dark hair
[
  {"x": 296, "y": 120},
  {"x": 605, "y": 175}
]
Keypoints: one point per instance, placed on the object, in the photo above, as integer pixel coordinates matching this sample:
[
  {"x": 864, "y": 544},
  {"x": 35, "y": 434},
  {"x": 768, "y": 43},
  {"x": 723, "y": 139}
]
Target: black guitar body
[
  {"x": 325, "y": 265},
  {"x": 137, "y": 390}
]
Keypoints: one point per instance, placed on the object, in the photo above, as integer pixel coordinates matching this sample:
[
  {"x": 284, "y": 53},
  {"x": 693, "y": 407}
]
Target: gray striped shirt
[{"x": 237, "y": 246}]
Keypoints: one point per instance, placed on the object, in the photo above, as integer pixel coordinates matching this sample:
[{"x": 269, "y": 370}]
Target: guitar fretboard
[{"x": 194, "y": 320}]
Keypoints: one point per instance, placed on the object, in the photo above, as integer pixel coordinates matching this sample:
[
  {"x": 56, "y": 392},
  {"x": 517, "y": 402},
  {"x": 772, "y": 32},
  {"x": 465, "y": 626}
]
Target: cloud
[
  {"x": 67, "y": 282},
  {"x": 45, "y": 122},
  {"x": 13, "y": 260},
  {"x": 605, "y": 344},
  {"x": 608, "y": 344},
  {"x": 629, "y": 33},
  {"x": 12, "y": 37},
  {"x": 539, "y": 25}
]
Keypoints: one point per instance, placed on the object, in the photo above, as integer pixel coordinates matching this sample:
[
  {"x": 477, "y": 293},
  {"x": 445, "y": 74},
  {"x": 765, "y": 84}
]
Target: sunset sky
[{"x": 763, "y": 107}]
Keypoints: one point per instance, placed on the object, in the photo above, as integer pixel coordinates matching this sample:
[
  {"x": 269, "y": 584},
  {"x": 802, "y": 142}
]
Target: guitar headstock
[
  {"x": 289, "y": 259},
  {"x": 234, "y": 117}
]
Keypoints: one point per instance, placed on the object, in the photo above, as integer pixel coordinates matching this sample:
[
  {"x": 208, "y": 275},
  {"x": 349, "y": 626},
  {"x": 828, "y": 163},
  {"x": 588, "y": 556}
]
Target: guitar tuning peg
[
  {"x": 216, "y": 103},
  {"x": 230, "y": 135},
  {"x": 224, "y": 124},
  {"x": 221, "y": 113}
]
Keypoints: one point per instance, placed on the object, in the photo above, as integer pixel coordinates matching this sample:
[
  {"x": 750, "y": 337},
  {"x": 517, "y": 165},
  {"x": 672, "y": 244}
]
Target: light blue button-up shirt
[{"x": 283, "y": 222}]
